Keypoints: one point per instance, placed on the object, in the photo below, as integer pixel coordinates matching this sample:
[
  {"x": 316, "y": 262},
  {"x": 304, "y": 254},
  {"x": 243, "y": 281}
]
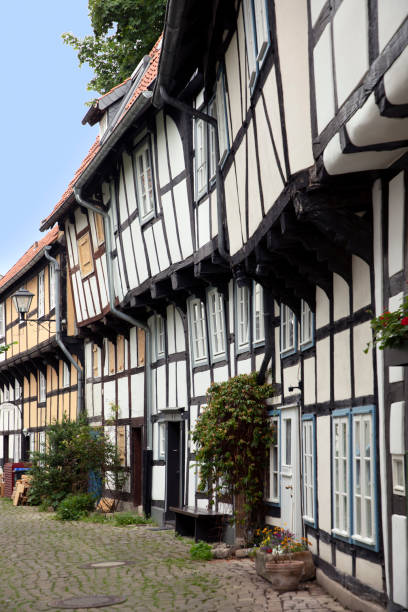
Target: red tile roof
[
  {"x": 30, "y": 254},
  {"x": 147, "y": 79}
]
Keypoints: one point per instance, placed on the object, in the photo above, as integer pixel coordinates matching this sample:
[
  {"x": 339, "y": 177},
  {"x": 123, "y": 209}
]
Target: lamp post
[{"x": 22, "y": 301}]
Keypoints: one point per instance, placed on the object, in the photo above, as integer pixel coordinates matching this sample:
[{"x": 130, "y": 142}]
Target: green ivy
[{"x": 233, "y": 436}]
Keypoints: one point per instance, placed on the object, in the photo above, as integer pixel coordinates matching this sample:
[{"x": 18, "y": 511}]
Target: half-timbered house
[
  {"x": 38, "y": 377},
  {"x": 251, "y": 184}
]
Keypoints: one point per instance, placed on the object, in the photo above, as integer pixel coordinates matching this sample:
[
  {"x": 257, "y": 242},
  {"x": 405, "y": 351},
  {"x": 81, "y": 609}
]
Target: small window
[
  {"x": 162, "y": 441},
  {"x": 212, "y": 110},
  {"x": 160, "y": 336},
  {"x": 216, "y": 320},
  {"x": 201, "y": 162},
  {"x": 144, "y": 182},
  {"x": 242, "y": 317},
  {"x": 66, "y": 375},
  {"x": 41, "y": 387},
  {"x": 398, "y": 474},
  {"x": 2, "y": 321},
  {"x": 363, "y": 479},
  {"x": 222, "y": 117},
  {"x": 274, "y": 468},
  {"x": 288, "y": 337},
  {"x": 259, "y": 323},
  {"x": 85, "y": 255},
  {"x": 198, "y": 330},
  {"x": 287, "y": 432},
  {"x": 256, "y": 35},
  {"x": 308, "y": 447},
  {"x": 341, "y": 492},
  {"x": 51, "y": 270},
  {"x": 306, "y": 325},
  {"x": 99, "y": 227},
  {"x": 41, "y": 294}
]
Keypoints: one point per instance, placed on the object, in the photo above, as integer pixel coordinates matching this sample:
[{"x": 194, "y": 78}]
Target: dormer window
[{"x": 103, "y": 124}]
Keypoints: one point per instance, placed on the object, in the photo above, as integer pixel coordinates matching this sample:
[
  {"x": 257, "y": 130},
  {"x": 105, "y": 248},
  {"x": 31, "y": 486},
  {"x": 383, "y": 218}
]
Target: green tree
[{"x": 124, "y": 31}]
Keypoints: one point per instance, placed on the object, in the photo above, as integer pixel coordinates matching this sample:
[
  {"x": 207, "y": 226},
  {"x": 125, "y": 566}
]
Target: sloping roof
[
  {"x": 29, "y": 255},
  {"x": 145, "y": 82}
]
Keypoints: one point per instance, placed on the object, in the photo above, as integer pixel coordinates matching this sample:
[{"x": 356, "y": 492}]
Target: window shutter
[{"x": 85, "y": 255}]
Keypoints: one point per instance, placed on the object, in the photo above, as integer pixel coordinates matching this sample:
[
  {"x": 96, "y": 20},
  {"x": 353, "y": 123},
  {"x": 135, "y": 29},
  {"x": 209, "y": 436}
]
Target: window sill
[
  {"x": 288, "y": 353},
  {"x": 307, "y": 345},
  {"x": 144, "y": 220}
]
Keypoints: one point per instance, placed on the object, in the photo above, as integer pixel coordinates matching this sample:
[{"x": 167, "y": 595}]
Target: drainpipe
[
  {"x": 184, "y": 108},
  {"x": 118, "y": 313},
  {"x": 57, "y": 271}
]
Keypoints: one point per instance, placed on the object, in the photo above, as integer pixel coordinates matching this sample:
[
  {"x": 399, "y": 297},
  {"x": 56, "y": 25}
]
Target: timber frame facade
[{"x": 243, "y": 208}]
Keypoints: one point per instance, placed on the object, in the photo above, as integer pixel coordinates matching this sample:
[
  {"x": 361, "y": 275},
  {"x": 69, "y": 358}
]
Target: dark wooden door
[
  {"x": 174, "y": 469},
  {"x": 137, "y": 465},
  {"x": 5, "y": 449}
]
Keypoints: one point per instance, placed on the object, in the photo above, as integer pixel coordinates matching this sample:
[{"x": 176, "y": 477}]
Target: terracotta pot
[
  {"x": 309, "y": 570},
  {"x": 283, "y": 575}
]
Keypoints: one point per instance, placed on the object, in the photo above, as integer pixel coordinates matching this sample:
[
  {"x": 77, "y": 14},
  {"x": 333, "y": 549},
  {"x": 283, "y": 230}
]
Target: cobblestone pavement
[{"x": 40, "y": 561}]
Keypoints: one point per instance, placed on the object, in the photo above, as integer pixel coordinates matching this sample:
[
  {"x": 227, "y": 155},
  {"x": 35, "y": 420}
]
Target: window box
[{"x": 396, "y": 356}]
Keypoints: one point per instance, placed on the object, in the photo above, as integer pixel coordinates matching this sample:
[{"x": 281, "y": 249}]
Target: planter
[
  {"x": 284, "y": 575},
  {"x": 309, "y": 570},
  {"x": 397, "y": 356}
]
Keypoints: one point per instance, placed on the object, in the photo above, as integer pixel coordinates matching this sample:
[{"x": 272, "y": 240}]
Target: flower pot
[
  {"x": 396, "y": 356},
  {"x": 309, "y": 570},
  {"x": 283, "y": 575}
]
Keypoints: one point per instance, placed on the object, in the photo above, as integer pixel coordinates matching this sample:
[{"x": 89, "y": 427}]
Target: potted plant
[
  {"x": 283, "y": 560},
  {"x": 390, "y": 332}
]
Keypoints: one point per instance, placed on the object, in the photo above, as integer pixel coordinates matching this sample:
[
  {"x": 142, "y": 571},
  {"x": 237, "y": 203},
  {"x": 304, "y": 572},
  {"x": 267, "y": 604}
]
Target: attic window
[{"x": 103, "y": 124}]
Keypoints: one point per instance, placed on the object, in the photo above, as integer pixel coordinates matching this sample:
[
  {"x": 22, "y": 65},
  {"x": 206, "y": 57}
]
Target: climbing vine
[{"x": 232, "y": 437}]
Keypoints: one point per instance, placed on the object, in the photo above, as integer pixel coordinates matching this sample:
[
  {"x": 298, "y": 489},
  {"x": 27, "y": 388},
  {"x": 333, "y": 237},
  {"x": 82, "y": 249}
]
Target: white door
[{"x": 291, "y": 517}]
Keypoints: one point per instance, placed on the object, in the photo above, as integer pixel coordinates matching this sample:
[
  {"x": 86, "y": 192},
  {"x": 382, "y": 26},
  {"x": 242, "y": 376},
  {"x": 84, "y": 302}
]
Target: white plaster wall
[
  {"x": 272, "y": 183},
  {"x": 323, "y": 472},
  {"x": 182, "y": 401},
  {"x": 161, "y": 245},
  {"x": 369, "y": 573},
  {"x": 344, "y": 563},
  {"x": 177, "y": 163},
  {"x": 137, "y": 391},
  {"x": 172, "y": 385},
  {"x": 183, "y": 218},
  {"x": 234, "y": 85},
  {"x": 292, "y": 30},
  {"x": 220, "y": 374},
  {"x": 254, "y": 198},
  {"x": 203, "y": 222},
  {"x": 313, "y": 544},
  {"x": 244, "y": 366},
  {"x": 158, "y": 481},
  {"x": 397, "y": 428},
  {"x": 400, "y": 559},
  {"x": 342, "y": 370},
  {"x": 341, "y": 299},
  {"x": 363, "y": 362},
  {"x": 391, "y": 13},
  {"x": 367, "y": 126},
  {"x": 180, "y": 337},
  {"x": 323, "y": 76},
  {"x": 291, "y": 379},
  {"x": 202, "y": 381},
  {"x": 395, "y": 83},
  {"x": 232, "y": 201},
  {"x": 109, "y": 396},
  {"x": 97, "y": 399},
  {"x": 171, "y": 230},
  {"x": 322, "y": 308},
  {"x": 81, "y": 220},
  {"x": 309, "y": 380},
  {"x": 192, "y": 478},
  {"x": 161, "y": 387},
  {"x": 350, "y": 32},
  {"x": 315, "y": 8},
  {"x": 361, "y": 283},
  {"x": 323, "y": 370},
  {"x": 395, "y": 373},
  {"x": 325, "y": 552},
  {"x": 396, "y": 224},
  {"x": 162, "y": 167},
  {"x": 270, "y": 91},
  {"x": 123, "y": 398}
]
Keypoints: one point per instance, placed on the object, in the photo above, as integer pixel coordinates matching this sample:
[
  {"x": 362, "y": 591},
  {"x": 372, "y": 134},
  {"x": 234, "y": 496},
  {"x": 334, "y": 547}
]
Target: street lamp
[{"x": 22, "y": 301}]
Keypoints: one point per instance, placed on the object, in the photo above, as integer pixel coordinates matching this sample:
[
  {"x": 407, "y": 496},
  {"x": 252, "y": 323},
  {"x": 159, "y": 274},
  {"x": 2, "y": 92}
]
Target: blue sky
[{"x": 42, "y": 103}]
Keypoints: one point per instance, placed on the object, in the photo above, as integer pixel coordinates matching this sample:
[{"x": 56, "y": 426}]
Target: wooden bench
[{"x": 199, "y": 523}]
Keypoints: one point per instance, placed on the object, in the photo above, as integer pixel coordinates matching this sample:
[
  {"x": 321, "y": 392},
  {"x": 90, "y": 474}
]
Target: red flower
[{"x": 404, "y": 321}]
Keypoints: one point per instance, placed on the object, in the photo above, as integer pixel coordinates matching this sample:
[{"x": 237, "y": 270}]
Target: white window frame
[
  {"x": 341, "y": 474},
  {"x": 2, "y": 320},
  {"x": 306, "y": 339},
  {"x": 222, "y": 116},
  {"x": 17, "y": 390},
  {"x": 41, "y": 295},
  {"x": 363, "y": 495},
  {"x": 258, "y": 314},
  {"x": 256, "y": 35},
  {"x": 309, "y": 469},
  {"x": 216, "y": 324},
  {"x": 242, "y": 300},
  {"x": 201, "y": 157},
  {"x": 198, "y": 331},
  {"x": 398, "y": 474},
  {"x": 66, "y": 375},
  {"x": 161, "y": 440},
  {"x": 212, "y": 149},
  {"x": 42, "y": 387},
  {"x": 51, "y": 274},
  {"x": 274, "y": 464},
  {"x": 287, "y": 325},
  {"x": 145, "y": 197}
]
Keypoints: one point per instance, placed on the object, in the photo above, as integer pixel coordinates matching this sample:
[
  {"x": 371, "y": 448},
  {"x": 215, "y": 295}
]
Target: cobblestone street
[{"x": 41, "y": 559}]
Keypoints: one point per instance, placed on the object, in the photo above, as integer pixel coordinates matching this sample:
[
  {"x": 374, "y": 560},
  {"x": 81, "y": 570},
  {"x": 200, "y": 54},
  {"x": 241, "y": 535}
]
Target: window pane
[{"x": 288, "y": 441}]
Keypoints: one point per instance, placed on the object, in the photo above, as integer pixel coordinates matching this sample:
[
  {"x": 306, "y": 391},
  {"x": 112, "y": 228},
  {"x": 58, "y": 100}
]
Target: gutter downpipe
[
  {"x": 57, "y": 270},
  {"x": 185, "y": 108},
  {"x": 118, "y": 313}
]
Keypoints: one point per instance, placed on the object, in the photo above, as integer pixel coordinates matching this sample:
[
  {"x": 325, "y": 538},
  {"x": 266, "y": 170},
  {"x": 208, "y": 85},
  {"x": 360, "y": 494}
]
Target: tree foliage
[
  {"x": 124, "y": 31},
  {"x": 233, "y": 436},
  {"x": 73, "y": 451}
]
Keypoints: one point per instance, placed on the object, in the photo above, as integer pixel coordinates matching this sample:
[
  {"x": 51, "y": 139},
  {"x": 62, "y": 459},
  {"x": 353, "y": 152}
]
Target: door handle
[{"x": 289, "y": 487}]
